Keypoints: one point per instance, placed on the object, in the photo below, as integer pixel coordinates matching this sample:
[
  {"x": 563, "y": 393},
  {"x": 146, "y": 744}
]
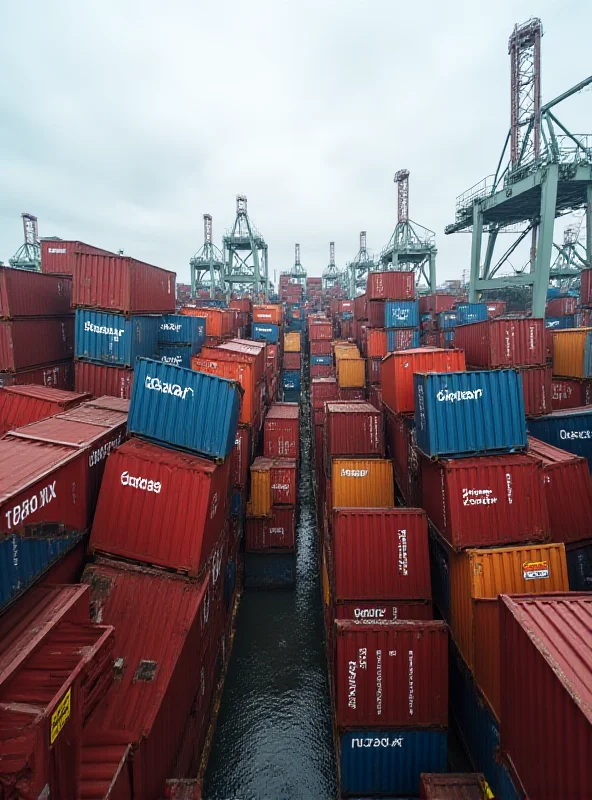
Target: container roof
[
  {"x": 147, "y": 451},
  {"x": 112, "y": 403},
  {"x": 66, "y": 432},
  {"x": 283, "y": 411},
  {"x": 23, "y": 462},
  {"x": 549, "y": 454},
  {"x": 47, "y": 393},
  {"x": 351, "y": 407}
]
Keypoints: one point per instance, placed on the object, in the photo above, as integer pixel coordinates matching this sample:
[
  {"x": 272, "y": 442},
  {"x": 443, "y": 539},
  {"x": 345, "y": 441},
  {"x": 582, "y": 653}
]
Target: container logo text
[
  {"x": 354, "y": 473},
  {"x": 444, "y": 396},
  {"x": 478, "y": 497},
  {"x": 533, "y": 570},
  {"x": 176, "y": 361},
  {"x": 155, "y": 384},
  {"x": 116, "y": 333},
  {"x": 102, "y": 452},
  {"x": 20, "y": 512},
  {"x": 575, "y": 434},
  {"x": 140, "y": 483},
  {"x": 170, "y": 326}
]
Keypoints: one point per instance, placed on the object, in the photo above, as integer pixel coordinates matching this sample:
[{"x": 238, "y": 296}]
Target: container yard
[{"x": 270, "y": 535}]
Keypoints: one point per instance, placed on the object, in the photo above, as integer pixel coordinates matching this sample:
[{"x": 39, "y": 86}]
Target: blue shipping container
[
  {"x": 179, "y": 329},
  {"x": 179, "y": 355},
  {"x": 449, "y": 338},
  {"x": 569, "y": 430},
  {"x": 114, "y": 338},
  {"x": 469, "y": 413},
  {"x": 24, "y": 559},
  {"x": 560, "y": 323},
  {"x": 448, "y": 319},
  {"x": 265, "y": 332},
  {"x": 579, "y": 567},
  {"x": 471, "y": 312},
  {"x": 401, "y": 314},
  {"x": 185, "y": 409},
  {"x": 293, "y": 325},
  {"x": 397, "y": 339},
  {"x": 291, "y": 379},
  {"x": 389, "y": 762},
  {"x": 324, "y": 361},
  {"x": 211, "y": 303},
  {"x": 270, "y": 570},
  {"x": 345, "y": 315},
  {"x": 553, "y": 292}
]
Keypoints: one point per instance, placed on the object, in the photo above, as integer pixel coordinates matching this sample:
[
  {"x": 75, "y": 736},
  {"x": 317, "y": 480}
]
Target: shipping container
[
  {"x": 561, "y": 306},
  {"x": 485, "y": 501},
  {"x": 121, "y": 283},
  {"x": 320, "y": 347},
  {"x": 391, "y": 674},
  {"x": 316, "y": 370},
  {"x": 274, "y": 532},
  {"x": 31, "y": 294},
  {"x": 242, "y": 371},
  {"x": 351, "y": 373},
  {"x": 270, "y": 570},
  {"x": 401, "y": 339},
  {"x": 464, "y": 413},
  {"x": 266, "y": 333},
  {"x": 319, "y": 330},
  {"x": 20, "y": 405},
  {"x": 114, "y": 338},
  {"x": 58, "y": 255},
  {"x": 319, "y": 360},
  {"x": 373, "y": 371},
  {"x": 401, "y": 314},
  {"x": 570, "y": 393},
  {"x": 389, "y": 762},
  {"x": 322, "y": 389},
  {"x": 267, "y": 313},
  {"x": 568, "y": 491},
  {"x": 398, "y": 369},
  {"x": 181, "y": 329},
  {"x": 454, "y": 786},
  {"x": 496, "y": 308},
  {"x": 586, "y": 287},
  {"x": 376, "y": 342},
  {"x": 281, "y": 431},
  {"x": 291, "y": 379},
  {"x": 440, "y": 573},
  {"x": 570, "y": 429},
  {"x": 292, "y": 342},
  {"x": 245, "y": 351},
  {"x": 579, "y": 566},
  {"x": 241, "y": 457},
  {"x": 537, "y": 390},
  {"x": 260, "y": 498},
  {"x": 219, "y": 321},
  {"x": 353, "y": 429},
  {"x": 502, "y": 343},
  {"x": 292, "y": 360},
  {"x": 139, "y": 499},
  {"x": 177, "y": 355},
  {"x": 59, "y": 375},
  {"x": 471, "y": 312},
  {"x": 572, "y": 353},
  {"x": 186, "y": 409},
  {"x": 26, "y": 343},
  {"x": 401, "y": 446},
  {"x": 394, "y": 285},
  {"x": 375, "y": 313},
  {"x": 435, "y": 303},
  {"x": 546, "y": 699},
  {"x": 447, "y": 320},
  {"x": 100, "y": 379},
  {"x": 388, "y": 610},
  {"x": 362, "y": 483}
]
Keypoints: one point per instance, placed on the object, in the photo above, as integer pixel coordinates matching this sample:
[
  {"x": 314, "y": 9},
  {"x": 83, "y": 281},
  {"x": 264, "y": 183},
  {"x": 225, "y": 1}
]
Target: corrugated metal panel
[
  {"x": 440, "y": 574},
  {"x": 109, "y": 403},
  {"x": 178, "y": 355},
  {"x": 32, "y": 294},
  {"x": 448, "y": 319},
  {"x": 381, "y": 554},
  {"x": 453, "y": 786},
  {"x": 260, "y": 499},
  {"x": 570, "y": 429},
  {"x": 321, "y": 371},
  {"x": 401, "y": 339},
  {"x": 375, "y": 311},
  {"x": 546, "y": 693},
  {"x": 391, "y": 674},
  {"x": 485, "y": 501},
  {"x": 389, "y": 610},
  {"x": 218, "y": 323},
  {"x": 58, "y": 256},
  {"x": 401, "y": 314},
  {"x": 319, "y": 330},
  {"x": 291, "y": 379},
  {"x": 100, "y": 379},
  {"x": 572, "y": 353},
  {"x": 537, "y": 390},
  {"x": 26, "y": 343},
  {"x": 292, "y": 360},
  {"x": 469, "y": 412},
  {"x": 392, "y": 285},
  {"x": 351, "y": 394},
  {"x": 22, "y": 405},
  {"x": 268, "y": 313},
  {"x": 324, "y": 360},
  {"x": 281, "y": 431},
  {"x": 120, "y": 283},
  {"x": 59, "y": 375},
  {"x": 320, "y": 347},
  {"x": 181, "y": 329},
  {"x": 579, "y": 566},
  {"x": 362, "y": 483},
  {"x": 434, "y": 303},
  {"x": 353, "y": 429},
  {"x": 561, "y": 306},
  {"x": 240, "y": 370},
  {"x": 139, "y": 500},
  {"x": 186, "y": 409},
  {"x": 471, "y": 312},
  {"x": 266, "y": 333},
  {"x": 351, "y": 373},
  {"x": 114, "y": 338},
  {"x": 503, "y": 343},
  {"x": 276, "y": 531},
  {"x": 570, "y": 393},
  {"x": 398, "y": 370},
  {"x": 389, "y": 762},
  {"x": 241, "y": 457},
  {"x": 496, "y": 308},
  {"x": 376, "y": 342},
  {"x": 292, "y": 342}
]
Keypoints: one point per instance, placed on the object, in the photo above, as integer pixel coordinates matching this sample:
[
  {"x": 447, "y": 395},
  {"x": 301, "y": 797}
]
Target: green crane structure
[
  {"x": 331, "y": 274},
  {"x": 207, "y": 265},
  {"x": 411, "y": 247},
  {"x": 28, "y": 256},
  {"x": 245, "y": 256},
  {"x": 358, "y": 269},
  {"x": 297, "y": 273},
  {"x": 546, "y": 173}
]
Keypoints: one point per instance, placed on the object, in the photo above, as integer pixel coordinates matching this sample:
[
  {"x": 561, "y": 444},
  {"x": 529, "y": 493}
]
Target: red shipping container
[
  {"x": 320, "y": 347},
  {"x": 284, "y": 482},
  {"x": 400, "y": 441},
  {"x": 58, "y": 256},
  {"x": 349, "y": 394},
  {"x": 381, "y": 554},
  {"x": 398, "y": 369},
  {"x": 139, "y": 515},
  {"x": 353, "y": 429},
  {"x": 361, "y": 307},
  {"x": 373, "y": 370},
  {"x": 241, "y": 371},
  {"x": 271, "y": 533},
  {"x": 391, "y": 674},
  {"x": 435, "y": 303},
  {"x": 496, "y": 308},
  {"x": 537, "y": 390},
  {"x": 244, "y": 350},
  {"x": 32, "y": 294},
  {"x": 322, "y": 371},
  {"x": 123, "y": 284},
  {"x": 240, "y": 457},
  {"x": 431, "y": 339},
  {"x": 570, "y": 393},
  {"x": 375, "y": 397},
  {"x": 375, "y": 343},
  {"x": 546, "y": 693},
  {"x": 389, "y": 610},
  {"x": 375, "y": 310},
  {"x": 100, "y": 379},
  {"x": 586, "y": 287},
  {"x": 502, "y": 343},
  {"x": 318, "y": 330},
  {"x": 346, "y": 326},
  {"x": 561, "y": 307},
  {"x": 163, "y": 652},
  {"x": 26, "y": 343},
  {"x": 281, "y": 431},
  {"x": 394, "y": 285},
  {"x": 59, "y": 375},
  {"x": 110, "y": 403},
  {"x": 453, "y": 786},
  {"x": 291, "y": 360},
  {"x": 243, "y": 304},
  {"x": 568, "y": 491},
  {"x": 485, "y": 501},
  {"x": 20, "y": 405}
]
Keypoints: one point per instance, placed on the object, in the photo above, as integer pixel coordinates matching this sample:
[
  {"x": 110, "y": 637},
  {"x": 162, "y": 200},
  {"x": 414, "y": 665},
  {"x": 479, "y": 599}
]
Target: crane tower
[
  {"x": 358, "y": 269},
  {"x": 245, "y": 255},
  {"x": 207, "y": 264},
  {"x": 330, "y": 273},
  {"x": 28, "y": 256},
  {"x": 297, "y": 273}
]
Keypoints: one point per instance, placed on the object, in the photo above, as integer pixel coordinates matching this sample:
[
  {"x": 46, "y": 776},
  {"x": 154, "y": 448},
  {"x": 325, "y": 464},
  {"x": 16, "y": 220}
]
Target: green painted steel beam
[
  {"x": 545, "y": 240},
  {"x": 505, "y": 282}
]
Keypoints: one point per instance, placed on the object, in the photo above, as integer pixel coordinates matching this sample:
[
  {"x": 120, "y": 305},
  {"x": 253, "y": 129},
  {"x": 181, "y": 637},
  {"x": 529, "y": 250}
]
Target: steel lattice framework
[
  {"x": 207, "y": 265},
  {"x": 331, "y": 274},
  {"x": 297, "y": 273},
  {"x": 545, "y": 172},
  {"x": 358, "y": 269},
  {"x": 411, "y": 247},
  {"x": 245, "y": 255},
  {"x": 28, "y": 256}
]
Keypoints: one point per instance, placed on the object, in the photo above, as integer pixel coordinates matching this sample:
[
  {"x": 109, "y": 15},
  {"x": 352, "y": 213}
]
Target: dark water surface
[{"x": 274, "y": 734}]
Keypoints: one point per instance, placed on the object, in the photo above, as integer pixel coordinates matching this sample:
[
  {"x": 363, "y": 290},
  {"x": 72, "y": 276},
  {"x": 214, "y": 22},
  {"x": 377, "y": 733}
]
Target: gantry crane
[
  {"x": 297, "y": 273},
  {"x": 28, "y": 256},
  {"x": 411, "y": 247},
  {"x": 331, "y": 274},
  {"x": 245, "y": 255},
  {"x": 547, "y": 173},
  {"x": 207, "y": 265},
  {"x": 358, "y": 269}
]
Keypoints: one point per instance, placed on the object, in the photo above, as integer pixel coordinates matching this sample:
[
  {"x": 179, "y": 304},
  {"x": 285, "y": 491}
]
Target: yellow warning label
[
  {"x": 533, "y": 570},
  {"x": 60, "y": 716}
]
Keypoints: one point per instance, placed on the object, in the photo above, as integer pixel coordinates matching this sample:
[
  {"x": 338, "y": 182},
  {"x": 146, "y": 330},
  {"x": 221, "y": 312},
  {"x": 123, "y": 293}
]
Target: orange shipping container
[
  {"x": 362, "y": 483},
  {"x": 569, "y": 352},
  {"x": 376, "y": 342},
  {"x": 268, "y": 313},
  {"x": 219, "y": 321},
  {"x": 292, "y": 342},
  {"x": 398, "y": 369},
  {"x": 260, "y": 502},
  {"x": 351, "y": 373},
  {"x": 244, "y": 373},
  {"x": 482, "y": 573}
]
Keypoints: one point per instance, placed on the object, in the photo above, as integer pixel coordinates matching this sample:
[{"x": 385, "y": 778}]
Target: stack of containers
[
  {"x": 559, "y": 315},
  {"x": 430, "y": 308},
  {"x": 244, "y": 308},
  {"x": 267, "y": 323},
  {"x": 320, "y": 335},
  {"x": 314, "y": 293},
  {"x": 393, "y": 309},
  {"x": 221, "y": 323},
  {"x": 114, "y": 326},
  {"x": 36, "y": 329},
  {"x": 350, "y": 369},
  {"x": 291, "y": 381},
  {"x": 179, "y": 338},
  {"x": 169, "y": 559}
]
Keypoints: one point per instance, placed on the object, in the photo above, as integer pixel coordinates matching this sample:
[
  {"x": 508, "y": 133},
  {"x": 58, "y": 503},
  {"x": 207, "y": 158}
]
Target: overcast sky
[{"x": 123, "y": 121}]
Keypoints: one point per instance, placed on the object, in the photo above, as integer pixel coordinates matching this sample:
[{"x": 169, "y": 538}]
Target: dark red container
[
  {"x": 434, "y": 303},
  {"x": 281, "y": 431},
  {"x": 284, "y": 482},
  {"x": 58, "y": 255},
  {"x": 240, "y": 457},
  {"x": 561, "y": 306},
  {"x": 546, "y": 693},
  {"x": 375, "y": 314},
  {"x": 349, "y": 394},
  {"x": 291, "y": 360},
  {"x": 400, "y": 441},
  {"x": 322, "y": 371},
  {"x": 570, "y": 393},
  {"x": 453, "y": 786},
  {"x": 122, "y": 284},
  {"x": 537, "y": 390},
  {"x": 502, "y": 343},
  {"x": 20, "y": 405},
  {"x": 271, "y": 533},
  {"x": 380, "y": 554},
  {"x": 59, "y": 376},
  {"x": 495, "y": 308},
  {"x": 320, "y": 347},
  {"x": 26, "y": 343},
  {"x": 353, "y": 429},
  {"x": 568, "y": 491},
  {"x": 375, "y": 397},
  {"x": 361, "y": 307},
  {"x": 373, "y": 370},
  {"x": 485, "y": 501},
  {"x": 319, "y": 331},
  {"x": 394, "y": 285},
  {"x": 100, "y": 379},
  {"x": 392, "y": 674},
  {"x": 139, "y": 514},
  {"x": 388, "y": 610},
  {"x": 32, "y": 294},
  {"x": 586, "y": 287}
]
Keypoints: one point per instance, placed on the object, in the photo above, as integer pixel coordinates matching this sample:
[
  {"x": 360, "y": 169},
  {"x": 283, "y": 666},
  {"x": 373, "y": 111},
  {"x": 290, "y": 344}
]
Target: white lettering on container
[
  {"x": 116, "y": 333},
  {"x": 354, "y": 473},
  {"x": 102, "y": 452},
  {"x": 444, "y": 396},
  {"x": 170, "y": 326},
  {"x": 351, "y": 681},
  {"x": 284, "y": 487},
  {"x": 176, "y": 361},
  {"x": 403, "y": 559},
  {"x": 20, "y": 512},
  {"x": 174, "y": 389},
  {"x": 375, "y": 741},
  {"x": 369, "y": 613},
  {"x": 411, "y": 685},
  {"x": 509, "y": 487},
  {"x": 140, "y": 483},
  {"x": 574, "y": 434},
  {"x": 56, "y": 250},
  {"x": 379, "y": 682},
  {"x": 478, "y": 497}
]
